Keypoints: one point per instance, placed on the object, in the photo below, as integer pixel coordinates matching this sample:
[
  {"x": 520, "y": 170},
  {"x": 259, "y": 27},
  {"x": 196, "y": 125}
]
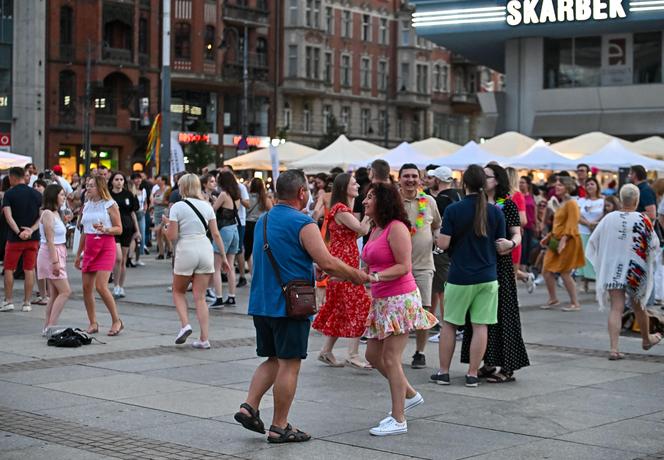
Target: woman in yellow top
[{"x": 564, "y": 246}]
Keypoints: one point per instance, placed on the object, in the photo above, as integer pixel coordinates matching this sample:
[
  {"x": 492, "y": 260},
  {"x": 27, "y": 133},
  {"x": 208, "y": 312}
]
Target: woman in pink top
[{"x": 396, "y": 307}]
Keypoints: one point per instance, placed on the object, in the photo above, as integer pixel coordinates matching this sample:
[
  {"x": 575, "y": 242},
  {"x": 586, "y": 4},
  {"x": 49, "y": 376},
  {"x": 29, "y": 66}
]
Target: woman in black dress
[{"x": 505, "y": 347}]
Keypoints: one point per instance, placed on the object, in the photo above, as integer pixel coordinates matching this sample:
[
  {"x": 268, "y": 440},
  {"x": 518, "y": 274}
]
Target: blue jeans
[{"x": 140, "y": 217}]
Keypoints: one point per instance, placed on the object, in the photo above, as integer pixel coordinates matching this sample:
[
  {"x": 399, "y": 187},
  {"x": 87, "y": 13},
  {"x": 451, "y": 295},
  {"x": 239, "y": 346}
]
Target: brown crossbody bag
[{"x": 300, "y": 295}]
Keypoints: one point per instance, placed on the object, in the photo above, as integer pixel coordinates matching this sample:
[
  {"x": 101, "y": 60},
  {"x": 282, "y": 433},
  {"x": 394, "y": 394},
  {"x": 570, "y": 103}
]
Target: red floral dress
[{"x": 346, "y": 306}]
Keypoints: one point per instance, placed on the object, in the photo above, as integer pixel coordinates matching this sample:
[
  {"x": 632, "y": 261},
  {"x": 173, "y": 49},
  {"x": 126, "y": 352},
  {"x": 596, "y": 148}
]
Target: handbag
[
  {"x": 300, "y": 294},
  {"x": 553, "y": 243},
  {"x": 200, "y": 216}
]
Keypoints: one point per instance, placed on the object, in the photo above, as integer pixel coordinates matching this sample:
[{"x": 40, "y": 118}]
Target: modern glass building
[{"x": 571, "y": 66}]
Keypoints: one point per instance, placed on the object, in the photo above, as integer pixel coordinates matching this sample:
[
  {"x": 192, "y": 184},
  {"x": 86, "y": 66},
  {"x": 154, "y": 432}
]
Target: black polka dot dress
[{"x": 505, "y": 347}]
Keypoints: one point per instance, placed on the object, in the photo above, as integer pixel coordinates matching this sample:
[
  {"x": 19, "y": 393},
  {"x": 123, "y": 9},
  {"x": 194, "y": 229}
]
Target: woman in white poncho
[{"x": 622, "y": 250}]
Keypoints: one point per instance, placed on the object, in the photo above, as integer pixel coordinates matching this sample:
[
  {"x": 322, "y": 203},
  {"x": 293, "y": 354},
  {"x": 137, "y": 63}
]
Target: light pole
[{"x": 165, "y": 156}]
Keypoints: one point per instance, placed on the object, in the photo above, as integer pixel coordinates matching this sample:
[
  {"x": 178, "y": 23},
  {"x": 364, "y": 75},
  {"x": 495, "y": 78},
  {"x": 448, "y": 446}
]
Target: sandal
[
  {"x": 288, "y": 434},
  {"x": 616, "y": 356},
  {"x": 658, "y": 338},
  {"x": 114, "y": 332},
  {"x": 251, "y": 422},
  {"x": 550, "y": 304},
  {"x": 485, "y": 372},
  {"x": 91, "y": 329},
  {"x": 501, "y": 377},
  {"x": 328, "y": 358},
  {"x": 572, "y": 307},
  {"x": 357, "y": 363}
]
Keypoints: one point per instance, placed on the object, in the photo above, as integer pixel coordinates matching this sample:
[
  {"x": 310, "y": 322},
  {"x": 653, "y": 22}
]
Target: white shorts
[{"x": 193, "y": 255}]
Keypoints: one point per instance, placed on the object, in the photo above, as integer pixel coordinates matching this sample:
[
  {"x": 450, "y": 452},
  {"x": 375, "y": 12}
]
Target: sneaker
[
  {"x": 440, "y": 379},
  {"x": 121, "y": 292},
  {"x": 472, "y": 381},
  {"x": 419, "y": 361},
  {"x": 539, "y": 280},
  {"x": 140, "y": 263},
  {"x": 7, "y": 306},
  {"x": 459, "y": 336},
  {"x": 146, "y": 251},
  {"x": 530, "y": 283},
  {"x": 116, "y": 292},
  {"x": 210, "y": 296},
  {"x": 44, "y": 332},
  {"x": 364, "y": 339},
  {"x": 413, "y": 402},
  {"x": 201, "y": 345},
  {"x": 183, "y": 334},
  {"x": 388, "y": 427},
  {"x": 26, "y": 307},
  {"x": 435, "y": 338},
  {"x": 40, "y": 300},
  {"x": 242, "y": 282},
  {"x": 230, "y": 300},
  {"x": 559, "y": 282},
  {"x": 218, "y": 303}
]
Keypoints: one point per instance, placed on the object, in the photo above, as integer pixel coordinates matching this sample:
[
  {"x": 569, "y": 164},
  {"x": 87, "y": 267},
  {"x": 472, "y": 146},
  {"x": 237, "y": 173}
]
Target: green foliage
[{"x": 200, "y": 154}]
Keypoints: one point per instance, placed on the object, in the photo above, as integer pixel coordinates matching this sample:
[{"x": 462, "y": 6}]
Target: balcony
[
  {"x": 295, "y": 85},
  {"x": 116, "y": 54},
  {"x": 67, "y": 52},
  {"x": 246, "y": 15},
  {"x": 143, "y": 60},
  {"x": 105, "y": 120},
  {"x": 257, "y": 67},
  {"x": 464, "y": 98},
  {"x": 411, "y": 99}
]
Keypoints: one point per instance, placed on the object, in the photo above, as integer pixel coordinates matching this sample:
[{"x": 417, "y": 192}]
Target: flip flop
[
  {"x": 571, "y": 308},
  {"x": 652, "y": 344},
  {"x": 616, "y": 356}
]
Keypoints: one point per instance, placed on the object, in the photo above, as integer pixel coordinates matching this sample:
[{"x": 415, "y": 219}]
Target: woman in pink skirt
[
  {"x": 52, "y": 255},
  {"x": 101, "y": 222}
]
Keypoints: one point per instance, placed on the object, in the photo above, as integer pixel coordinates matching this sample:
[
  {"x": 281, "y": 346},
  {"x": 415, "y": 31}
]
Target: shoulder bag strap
[
  {"x": 200, "y": 216},
  {"x": 268, "y": 251}
]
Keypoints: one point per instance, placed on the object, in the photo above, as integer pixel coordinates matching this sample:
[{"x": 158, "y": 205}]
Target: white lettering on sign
[{"x": 547, "y": 11}]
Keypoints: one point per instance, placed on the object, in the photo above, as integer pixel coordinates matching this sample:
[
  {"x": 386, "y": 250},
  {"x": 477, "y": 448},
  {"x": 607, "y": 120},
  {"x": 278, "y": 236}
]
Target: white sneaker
[
  {"x": 44, "y": 332},
  {"x": 7, "y": 306},
  {"x": 539, "y": 280},
  {"x": 183, "y": 334},
  {"x": 530, "y": 283},
  {"x": 116, "y": 292},
  {"x": 121, "y": 292},
  {"x": 388, "y": 427},
  {"x": 201, "y": 345},
  {"x": 140, "y": 263},
  {"x": 26, "y": 307},
  {"x": 435, "y": 338},
  {"x": 408, "y": 405}
]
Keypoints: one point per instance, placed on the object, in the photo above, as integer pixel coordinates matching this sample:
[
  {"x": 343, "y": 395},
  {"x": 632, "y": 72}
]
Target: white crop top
[
  {"x": 95, "y": 212},
  {"x": 59, "y": 231}
]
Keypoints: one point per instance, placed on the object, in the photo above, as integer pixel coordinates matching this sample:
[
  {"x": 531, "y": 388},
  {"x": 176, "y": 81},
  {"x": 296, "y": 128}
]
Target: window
[
  {"x": 312, "y": 62},
  {"x": 261, "y": 52},
  {"x": 345, "y": 117},
  {"x": 572, "y": 62},
  {"x": 182, "y": 37},
  {"x": 399, "y": 126},
  {"x": 422, "y": 78},
  {"x": 382, "y": 75},
  {"x": 67, "y": 88},
  {"x": 405, "y": 33},
  {"x": 365, "y": 73},
  {"x": 345, "y": 70},
  {"x": 437, "y": 83},
  {"x": 210, "y": 47},
  {"x": 312, "y": 13},
  {"x": 347, "y": 24},
  {"x": 66, "y": 26},
  {"x": 366, "y": 28},
  {"x": 329, "y": 20},
  {"x": 292, "y": 61},
  {"x": 648, "y": 57},
  {"x": 307, "y": 119},
  {"x": 328, "y": 68},
  {"x": 382, "y": 32},
  {"x": 445, "y": 78},
  {"x": 382, "y": 121},
  {"x": 365, "y": 121},
  {"x": 143, "y": 36},
  {"x": 287, "y": 115},
  {"x": 327, "y": 115},
  {"x": 292, "y": 12},
  {"x": 415, "y": 127},
  {"x": 405, "y": 77}
]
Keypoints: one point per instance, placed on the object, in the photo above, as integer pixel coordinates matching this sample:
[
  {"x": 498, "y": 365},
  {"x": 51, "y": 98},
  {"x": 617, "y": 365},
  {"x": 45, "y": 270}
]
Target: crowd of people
[{"x": 389, "y": 257}]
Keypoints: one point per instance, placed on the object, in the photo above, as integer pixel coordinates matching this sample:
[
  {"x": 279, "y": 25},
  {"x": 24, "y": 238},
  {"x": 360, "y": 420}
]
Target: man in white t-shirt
[
  {"x": 57, "y": 170},
  {"x": 242, "y": 214}
]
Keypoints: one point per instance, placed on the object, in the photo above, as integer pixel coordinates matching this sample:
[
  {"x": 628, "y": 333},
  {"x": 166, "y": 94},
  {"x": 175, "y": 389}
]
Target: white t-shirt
[
  {"x": 591, "y": 210},
  {"x": 188, "y": 222},
  {"x": 242, "y": 211},
  {"x": 141, "y": 196},
  {"x": 660, "y": 209},
  {"x": 64, "y": 184},
  {"x": 95, "y": 212}
]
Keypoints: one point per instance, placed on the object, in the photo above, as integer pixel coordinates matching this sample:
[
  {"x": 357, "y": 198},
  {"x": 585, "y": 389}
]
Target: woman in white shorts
[{"x": 188, "y": 222}]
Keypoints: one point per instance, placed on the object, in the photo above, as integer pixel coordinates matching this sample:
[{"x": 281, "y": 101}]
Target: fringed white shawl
[{"x": 623, "y": 249}]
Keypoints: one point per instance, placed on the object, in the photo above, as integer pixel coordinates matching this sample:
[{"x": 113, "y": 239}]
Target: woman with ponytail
[{"x": 472, "y": 230}]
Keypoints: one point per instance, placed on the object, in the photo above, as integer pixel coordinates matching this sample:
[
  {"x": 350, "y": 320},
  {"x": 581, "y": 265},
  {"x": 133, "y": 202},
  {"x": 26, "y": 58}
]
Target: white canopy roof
[
  {"x": 368, "y": 147},
  {"x": 541, "y": 156},
  {"x": 341, "y": 153},
  {"x": 615, "y": 155},
  {"x": 471, "y": 153},
  {"x": 652, "y": 146},
  {"x": 260, "y": 159},
  {"x": 405, "y": 153},
  {"x": 588, "y": 144},
  {"x": 435, "y": 147},
  {"x": 508, "y": 144},
  {"x": 11, "y": 160}
]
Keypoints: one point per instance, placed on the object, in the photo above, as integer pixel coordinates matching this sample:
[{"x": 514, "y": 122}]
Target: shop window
[
  {"x": 572, "y": 62},
  {"x": 648, "y": 57},
  {"x": 210, "y": 48},
  {"x": 182, "y": 40}
]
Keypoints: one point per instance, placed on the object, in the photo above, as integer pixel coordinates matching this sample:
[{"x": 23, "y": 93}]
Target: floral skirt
[{"x": 396, "y": 315}]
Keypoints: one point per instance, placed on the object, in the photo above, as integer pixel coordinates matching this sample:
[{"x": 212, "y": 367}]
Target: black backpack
[{"x": 71, "y": 338}]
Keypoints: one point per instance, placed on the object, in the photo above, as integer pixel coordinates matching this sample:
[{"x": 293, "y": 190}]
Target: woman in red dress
[{"x": 346, "y": 306}]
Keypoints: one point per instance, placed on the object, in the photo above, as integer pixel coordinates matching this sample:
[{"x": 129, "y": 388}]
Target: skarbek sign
[{"x": 548, "y": 11}]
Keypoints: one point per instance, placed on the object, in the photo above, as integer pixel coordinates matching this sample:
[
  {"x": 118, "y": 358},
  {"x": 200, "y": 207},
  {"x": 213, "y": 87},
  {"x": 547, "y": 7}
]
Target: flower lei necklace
[
  {"x": 500, "y": 202},
  {"x": 421, "y": 211}
]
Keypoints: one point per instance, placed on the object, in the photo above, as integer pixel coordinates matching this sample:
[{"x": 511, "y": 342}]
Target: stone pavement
[{"x": 140, "y": 396}]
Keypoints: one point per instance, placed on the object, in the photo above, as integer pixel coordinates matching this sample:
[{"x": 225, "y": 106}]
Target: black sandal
[
  {"x": 501, "y": 377},
  {"x": 485, "y": 372},
  {"x": 287, "y": 434},
  {"x": 251, "y": 422}
]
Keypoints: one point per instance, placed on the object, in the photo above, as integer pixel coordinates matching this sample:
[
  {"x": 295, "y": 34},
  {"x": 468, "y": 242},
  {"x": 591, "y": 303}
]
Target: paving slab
[
  {"x": 12, "y": 441},
  {"x": 52, "y": 451},
  {"x": 320, "y": 449},
  {"x": 34, "y": 398},
  {"x": 61, "y": 374},
  {"x": 551, "y": 449},
  {"x": 147, "y": 364},
  {"x": 632, "y": 435},
  {"x": 209, "y": 373}
]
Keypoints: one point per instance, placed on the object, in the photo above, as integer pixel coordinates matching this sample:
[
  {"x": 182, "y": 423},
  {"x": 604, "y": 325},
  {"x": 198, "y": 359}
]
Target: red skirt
[{"x": 99, "y": 253}]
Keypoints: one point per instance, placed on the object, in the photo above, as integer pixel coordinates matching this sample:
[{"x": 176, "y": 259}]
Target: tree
[
  {"x": 200, "y": 154},
  {"x": 334, "y": 130}
]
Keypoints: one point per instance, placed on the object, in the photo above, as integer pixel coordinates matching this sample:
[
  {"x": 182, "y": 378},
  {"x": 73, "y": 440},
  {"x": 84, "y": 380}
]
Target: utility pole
[
  {"x": 165, "y": 155},
  {"x": 86, "y": 108},
  {"x": 245, "y": 82}
]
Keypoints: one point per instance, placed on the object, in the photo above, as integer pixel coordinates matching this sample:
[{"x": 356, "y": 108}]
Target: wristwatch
[{"x": 513, "y": 244}]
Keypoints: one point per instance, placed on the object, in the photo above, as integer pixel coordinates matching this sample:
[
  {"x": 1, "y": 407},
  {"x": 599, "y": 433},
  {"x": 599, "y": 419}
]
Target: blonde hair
[
  {"x": 629, "y": 195},
  {"x": 568, "y": 182},
  {"x": 190, "y": 186},
  {"x": 102, "y": 187},
  {"x": 513, "y": 177}
]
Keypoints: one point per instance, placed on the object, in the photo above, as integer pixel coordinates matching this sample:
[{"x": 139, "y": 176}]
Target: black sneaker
[
  {"x": 441, "y": 379},
  {"x": 472, "y": 381},
  {"x": 419, "y": 361},
  {"x": 229, "y": 301},
  {"x": 219, "y": 303},
  {"x": 242, "y": 282}
]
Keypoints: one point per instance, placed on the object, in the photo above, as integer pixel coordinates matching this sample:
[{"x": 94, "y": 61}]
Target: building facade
[{"x": 570, "y": 67}]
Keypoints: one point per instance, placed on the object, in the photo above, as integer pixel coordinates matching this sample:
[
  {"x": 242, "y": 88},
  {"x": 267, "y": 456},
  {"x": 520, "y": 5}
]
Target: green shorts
[{"x": 480, "y": 299}]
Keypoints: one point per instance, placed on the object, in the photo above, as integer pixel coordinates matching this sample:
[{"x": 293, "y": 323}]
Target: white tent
[
  {"x": 405, "y": 153},
  {"x": 471, "y": 153},
  {"x": 652, "y": 147},
  {"x": 341, "y": 153},
  {"x": 541, "y": 156},
  {"x": 368, "y": 147},
  {"x": 260, "y": 159},
  {"x": 615, "y": 155},
  {"x": 10, "y": 160},
  {"x": 508, "y": 144},
  {"x": 587, "y": 144},
  {"x": 435, "y": 147}
]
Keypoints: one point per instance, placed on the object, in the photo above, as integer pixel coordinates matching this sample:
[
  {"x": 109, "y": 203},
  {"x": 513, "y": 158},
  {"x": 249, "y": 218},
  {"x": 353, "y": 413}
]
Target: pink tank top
[{"x": 377, "y": 254}]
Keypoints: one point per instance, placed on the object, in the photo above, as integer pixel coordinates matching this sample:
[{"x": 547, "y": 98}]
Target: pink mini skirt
[
  {"x": 99, "y": 253},
  {"x": 45, "y": 265}
]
